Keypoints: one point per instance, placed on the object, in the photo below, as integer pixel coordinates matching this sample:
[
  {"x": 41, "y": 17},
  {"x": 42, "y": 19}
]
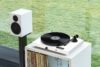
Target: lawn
[{"x": 69, "y": 16}]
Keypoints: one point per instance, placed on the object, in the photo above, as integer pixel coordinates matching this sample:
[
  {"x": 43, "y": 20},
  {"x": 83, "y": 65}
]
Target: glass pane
[{"x": 69, "y": 16}]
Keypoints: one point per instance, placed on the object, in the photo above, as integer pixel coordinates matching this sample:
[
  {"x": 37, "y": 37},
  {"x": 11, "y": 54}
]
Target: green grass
[{"x": 69, "y": 16}]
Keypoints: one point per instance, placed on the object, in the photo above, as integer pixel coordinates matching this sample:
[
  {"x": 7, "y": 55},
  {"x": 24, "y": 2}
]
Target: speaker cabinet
[{"x": 21, "y": 22}]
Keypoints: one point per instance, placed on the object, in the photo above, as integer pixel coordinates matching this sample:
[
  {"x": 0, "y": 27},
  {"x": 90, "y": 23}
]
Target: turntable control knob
[{"x": 74, "y": 39}]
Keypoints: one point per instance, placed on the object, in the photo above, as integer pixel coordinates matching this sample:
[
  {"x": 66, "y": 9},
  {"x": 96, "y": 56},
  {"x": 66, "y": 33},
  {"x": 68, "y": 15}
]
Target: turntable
[
  {"x": 69, "y": 50},
  {"x": 57, "y": 43}
]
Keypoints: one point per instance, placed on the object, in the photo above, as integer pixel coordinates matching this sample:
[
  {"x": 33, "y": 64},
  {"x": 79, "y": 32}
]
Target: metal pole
[{"x": 22, "y": 44}]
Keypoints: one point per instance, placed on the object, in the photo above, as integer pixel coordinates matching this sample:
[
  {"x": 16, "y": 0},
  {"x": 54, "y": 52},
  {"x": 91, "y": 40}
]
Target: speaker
[{"x": 21, "y": 22}]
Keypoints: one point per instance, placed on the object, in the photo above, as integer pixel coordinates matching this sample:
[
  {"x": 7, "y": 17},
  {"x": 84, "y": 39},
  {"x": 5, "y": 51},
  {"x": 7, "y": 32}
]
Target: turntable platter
[{"x": 55, "y": 39}]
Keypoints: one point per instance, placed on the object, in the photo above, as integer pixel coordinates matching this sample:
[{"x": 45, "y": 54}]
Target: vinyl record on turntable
[{"x": 55, "y": 39}]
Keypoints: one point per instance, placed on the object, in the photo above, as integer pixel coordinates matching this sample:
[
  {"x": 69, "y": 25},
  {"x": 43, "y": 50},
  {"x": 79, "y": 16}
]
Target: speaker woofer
[{"x": 15, "y": 27}]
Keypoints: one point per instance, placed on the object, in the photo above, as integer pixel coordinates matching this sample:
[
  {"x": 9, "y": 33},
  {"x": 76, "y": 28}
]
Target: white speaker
[{"x": 21, "y": 22}]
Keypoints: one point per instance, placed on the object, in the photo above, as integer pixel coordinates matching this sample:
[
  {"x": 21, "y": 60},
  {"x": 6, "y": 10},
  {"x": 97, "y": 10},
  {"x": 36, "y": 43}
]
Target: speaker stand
[{"x": 22, "y": 44}]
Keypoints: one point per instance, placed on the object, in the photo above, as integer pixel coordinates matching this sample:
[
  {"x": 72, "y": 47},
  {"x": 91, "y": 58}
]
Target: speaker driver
[
  {"x": 15, "y": 27},
  {"x": 55, "y": 39}
]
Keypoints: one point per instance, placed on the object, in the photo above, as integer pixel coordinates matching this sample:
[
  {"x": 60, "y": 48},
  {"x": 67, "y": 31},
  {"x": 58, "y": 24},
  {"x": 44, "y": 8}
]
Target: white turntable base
[{"x": 80, "y": 57}]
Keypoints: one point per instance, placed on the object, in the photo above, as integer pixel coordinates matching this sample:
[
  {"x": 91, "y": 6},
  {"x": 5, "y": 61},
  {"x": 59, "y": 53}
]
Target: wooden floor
[{"x": 8, "y": 57}]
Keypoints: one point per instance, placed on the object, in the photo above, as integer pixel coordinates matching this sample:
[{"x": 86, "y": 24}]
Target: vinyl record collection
[{"x": 36, "y": 59}]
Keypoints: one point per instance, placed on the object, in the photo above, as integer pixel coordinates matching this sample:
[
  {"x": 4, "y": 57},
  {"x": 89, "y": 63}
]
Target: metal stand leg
[{"x": 22, "y": 44}]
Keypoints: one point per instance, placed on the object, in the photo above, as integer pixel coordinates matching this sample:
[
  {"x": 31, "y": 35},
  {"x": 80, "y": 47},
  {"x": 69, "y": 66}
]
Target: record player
[{"x": 60, "y": 49}]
